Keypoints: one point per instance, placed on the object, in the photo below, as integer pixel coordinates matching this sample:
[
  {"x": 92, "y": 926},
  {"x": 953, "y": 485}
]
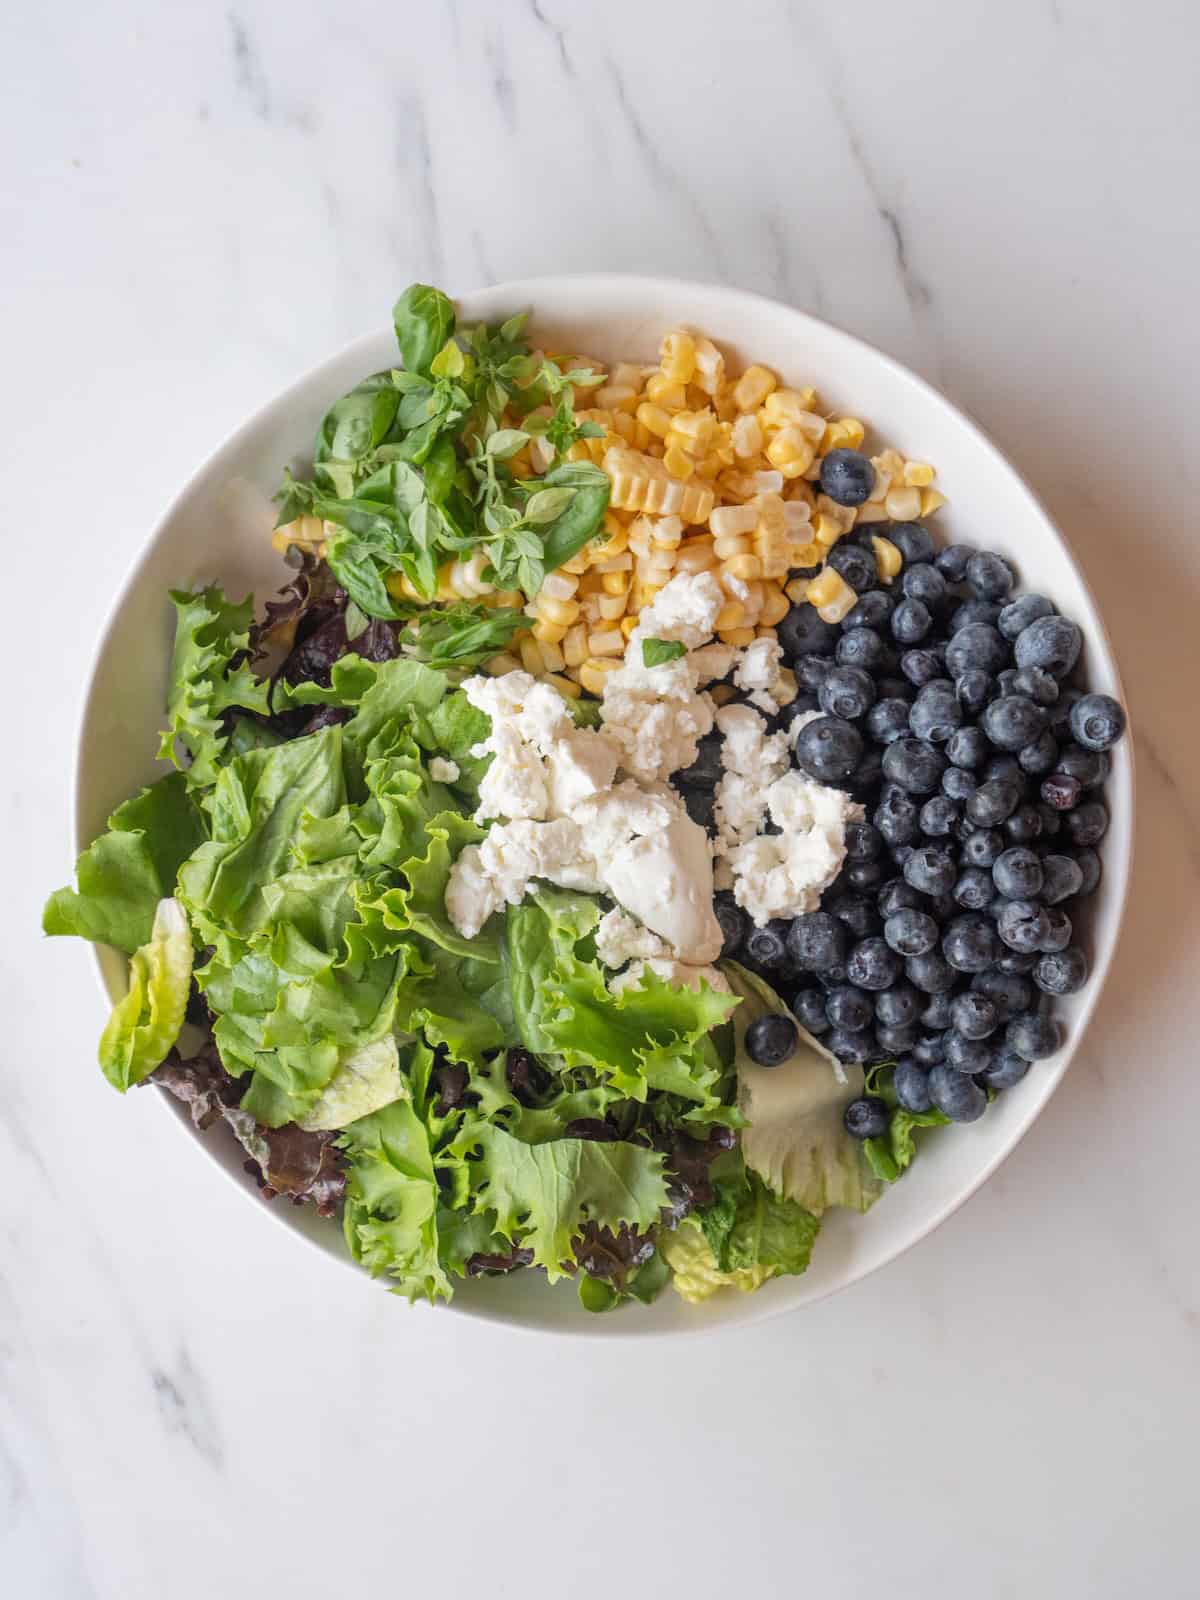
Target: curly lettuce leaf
[
  {"x": 390, "y": 1219},
  {"x": 210, "y": 675},
  {"x": 796, "y": 1140},
  {"x": 124, "y": 874},
  {"x": 146, "y": 1022},
  {"x": 540, "y": 1196},
  {"x": 695, "y": 1274}
]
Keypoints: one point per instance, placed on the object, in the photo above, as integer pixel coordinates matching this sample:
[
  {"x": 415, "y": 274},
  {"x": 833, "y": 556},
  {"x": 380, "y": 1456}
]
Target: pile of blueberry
[{"x": 946, "y": 706}]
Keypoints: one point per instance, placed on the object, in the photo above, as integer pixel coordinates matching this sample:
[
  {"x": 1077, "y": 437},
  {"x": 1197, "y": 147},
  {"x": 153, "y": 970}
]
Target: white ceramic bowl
[{"x": 218, "y": 530}]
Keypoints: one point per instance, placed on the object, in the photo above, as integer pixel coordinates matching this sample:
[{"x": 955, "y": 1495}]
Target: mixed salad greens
[{"x": 469, "y": 1106}]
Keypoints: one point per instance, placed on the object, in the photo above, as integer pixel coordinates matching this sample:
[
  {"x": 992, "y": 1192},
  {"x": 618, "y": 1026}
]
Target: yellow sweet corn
[
  {"x": 827, "y": 586},
  {"x": 575, "y": 650},
  {"x": 903, "y": 504},
  {"x": 665, "y": 392},
  {"x": 677, "y": 356},
  {"x": 738, "y": 637},
  {"x": 640, "y": 483},
  {"x": 547, "y": 633},
  {"x": 565, "y": 687},
  {"x": 710, "y": 366},
  {"x": 918, "y": 474},
  {"x": 678, "y": 463},
  {"x": 887, "y": 558},
  {"x": 654, "y": 419},
  {"x": 797, "y": 590},
  {"x": 564, "y": 612},
  {"x": 531, "y": 656},
  {"x": 727, "y": 521},
  {"x": 753, "y": 387},
  {"x": 775, "y": 605},
  {"x": 931, "y": 500},
  {"x": 594, "y": 672}
]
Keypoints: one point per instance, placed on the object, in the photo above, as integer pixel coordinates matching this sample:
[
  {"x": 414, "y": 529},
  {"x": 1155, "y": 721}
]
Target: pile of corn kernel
[{"x": 709, "y": 473}]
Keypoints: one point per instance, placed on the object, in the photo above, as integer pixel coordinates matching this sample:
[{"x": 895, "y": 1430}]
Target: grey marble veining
[{"x": 198, "y": 202}]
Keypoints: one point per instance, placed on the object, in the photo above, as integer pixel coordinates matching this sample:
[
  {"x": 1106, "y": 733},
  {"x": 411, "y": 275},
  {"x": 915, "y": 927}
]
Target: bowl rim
[{"x": 757, "y": 1309}]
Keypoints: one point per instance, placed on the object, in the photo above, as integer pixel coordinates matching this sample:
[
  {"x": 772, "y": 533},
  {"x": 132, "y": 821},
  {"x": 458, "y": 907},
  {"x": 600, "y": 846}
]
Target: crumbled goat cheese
[
  {"x": 443, "y": 771},
  {"x": 759, "y": 673},
  {"x": 620, "y": 939},
  {"x": 752, "y": 760}
]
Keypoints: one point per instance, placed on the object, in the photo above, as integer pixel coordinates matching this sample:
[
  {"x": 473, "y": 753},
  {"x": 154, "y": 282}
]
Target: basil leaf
[
  {"x": 657, "y": 651},
  {"x": 505, "y": 442},
  {"x": 568, "y": 534},
  {"x": 424, "y": 320},
  {"x": 358, "y": 569},
  {"x": 547, "y": 504}
]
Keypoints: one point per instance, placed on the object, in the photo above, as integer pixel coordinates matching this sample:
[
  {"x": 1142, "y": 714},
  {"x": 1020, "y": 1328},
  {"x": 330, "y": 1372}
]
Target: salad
[{"x": 621, "y": 836}]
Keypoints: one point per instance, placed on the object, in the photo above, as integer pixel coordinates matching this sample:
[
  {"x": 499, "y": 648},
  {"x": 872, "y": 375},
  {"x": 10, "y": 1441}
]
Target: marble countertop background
[{"x": 196, "y": 204}]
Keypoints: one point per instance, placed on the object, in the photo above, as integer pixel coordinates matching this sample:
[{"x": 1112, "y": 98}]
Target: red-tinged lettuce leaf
[
  {"x": 200, "y": 1082},
  {"x": 129, "y": 869}
]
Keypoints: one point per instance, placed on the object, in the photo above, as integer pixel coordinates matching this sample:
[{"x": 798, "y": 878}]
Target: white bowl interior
[{"x": 218, "y": 530}]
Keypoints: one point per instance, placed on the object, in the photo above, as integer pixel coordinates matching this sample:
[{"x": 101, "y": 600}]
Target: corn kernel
[
  {"x": 775, "y": 605},
  {"x": 552, "y": 656},
  {"x": 752, "y": 600},
  {"x": 549, "y": 633},
  {"x": 625, "y": 426},
  {"x": 902, "y": 503},
  {"x": 791, "y": 452},
  {"x": 837, "y": 609},
  {"x": 628, "y": 373},
  {"x": 620, "y": 563},
  {"x": 709, "y": 466},
  {"x": 785, "y": 688},
  {"x": 797, "y": 519},
  {"x": 531, "y": 656},
  {"x": 615, "y": 397},
  {"x": 827, "y": 586},
  {"x": 725, "y": 521},
  {"x": 654, "y": 419},
  {"x": 678, "y": 356},
  {"x": 678, "y": 463},
  {"x": 609, "y": 607},
  {"x": 847, "y": 433},
  {"x": 918, "y": 474},
  {"x": 731, "y": 615},
  {"x": 797, "y": 590},
  {"x": 496, "y": 666},
  {"x": 594, "y": 672},
  {"x": 613, "y": 544},
  {"x": 592, "y": 583},
  {"x": 791, "y": 407},
  {"x": 614, "y": 582},
  {"x": 747, "y": 438},
  {"x": 808, "y": 555},
  {"x": 606, "y": 642},
  {"x": 931, "y": 501},
  {"x": 739, "y": 638},
  {"x": 559, "y": 585},
  {"x": 578, "y": 564},
  {"x": 710, "y": 367},
  {"x": 753, "y": 387},
  {"x": 765, "y": 631},
  {"x": 564, "y": 612},
  {"x": 574, "y": 645},
  {"x": 722, "y": 693},
  {"x": 663, "y": 391},
  {"x": 628, "y": 624},
  {"x": 668, "y": 533},
  {"x": 565, "y": 687},
  {"x": 746, "y": 567},
  {"x": 887, "y": 558},
  {"x": 869, "y": 511},
  {"x": 696, "y": 555},
  {"x": 826, "y": 531},
  {"x": 730, "y": 545}
]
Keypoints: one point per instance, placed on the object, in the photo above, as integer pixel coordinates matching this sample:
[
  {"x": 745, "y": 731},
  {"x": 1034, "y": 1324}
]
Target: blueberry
[
  {"x": 931, "y": 870},
  {"x": 817, "y": 941},
  {"x": 896, "y": 1038},
  {"x": 847, "y": 477},
  {"x": 766, "y": 948},
  {"x": 1039, "y": 686},
  {"x": 1019, "y": 613},
  {"x": 937, "y": 1014},
  {"x": 1006, "y": 1070},
  {"x": 952, "y": 562},
  {"x": 974, "y": 612},
  {"x": 1088, "y": 767},
  {"x": 699, "y": 805},
  {"x": 973, "y": 891},
  {"x": 897, "y": 816},
  {"x": 856, "y": 911},
  {"x": 956, "y": 1095},
  {"x": 912, "y": 541},
  {"x": 1051, "y": 820},
  {"x": 929, "y": 1049},
  {"x": 810, "y": 672},
  {"x": 1058, "y": 931},
  {"x": 1009, "y": 993},
  {"x": 969, "y": 943},
  {"x": 992, "y": 802},
  {"x": 829, "y": 748},
  {"x": 1061, "y": 878},
  {"x": 968, "y": 747},
  {"x": 936, "y": 713},
  {"x": 1032, "y": 1036},
  {"x": 1022, "y": 925},
  {"x": 1061, "y": 792},
  {"x": 855, "y": 565},
  {"x": 798, "y": 707},
  {"x": 921, "y": 667},
  {"x": 966, "y": 1055},
  {"x": 917, "y": 767},
  {"x": 1016, "y": 963},
  {"x": 705, "y": 770},
  {"x": 910, "y": 1082},
  {"x": 863, "y": 842},
  {"x": 862, "y": 875},
  {"x": 911, "y": 621},
  {"x": 849, "y": 1007},
  {"x": 958, "y": 784},
  {"x": 898, "y": 1007},
  {"x": 846, "y": 692},
  {"x": 830, "y": 977},
  {"x": 734, "y": 924},
  {"x": 770, "y": 1040},
  {"x": 1062, "y": 972},
  {"x": 871, "y": 611},
  {"x": 1097, "y": 721},
  {"x": 989, "y": 575},
  {"x": 974, "y": 1016},
  {"x": 1017, "y": 874},
  {"x": 809, "y": 1006},
  {"x": 803, "y": 633},
  {"x": 861, "y": 648},
  {"x": 1088, "y": 863},
  {"x": 1051, "y": 643},
  {"x": 867, "y": 1117},
  {"x": 924, "y": 582},
  {"x": 893, "y": 688},
  {"x": 976, "y": 647},
  {"x": 1003, "y": 769},
  {"x": 849, "y": 1046},
  {"x": 982, "y": 849},
  {"x": 1006, "y": 683},
  {"x": 973, "y": 689},
  {"x": 938, "y": 816},
  {"x": 896, "y": 895},
  {"x": 1012, "y": 722},
  {"x": 930, "y": 972},
  {"x": 872, "y": 964},
  {"x": 1087, "y": 824},
  {"x": 868, "y": 774},
  {"x": 1040, "y": 757},
  {"x": 1060, "y": 715}
]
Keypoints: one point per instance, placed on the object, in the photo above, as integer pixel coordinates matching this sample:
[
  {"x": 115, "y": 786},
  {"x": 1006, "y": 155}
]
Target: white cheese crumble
[
  {"x": 442, "y": 771},
  {"x": 619, "y": 938},
  {"x": 760, "y": 674}
]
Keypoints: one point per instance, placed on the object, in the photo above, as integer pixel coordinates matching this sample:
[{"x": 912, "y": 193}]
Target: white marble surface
[{"x": 197, "y": 203}]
